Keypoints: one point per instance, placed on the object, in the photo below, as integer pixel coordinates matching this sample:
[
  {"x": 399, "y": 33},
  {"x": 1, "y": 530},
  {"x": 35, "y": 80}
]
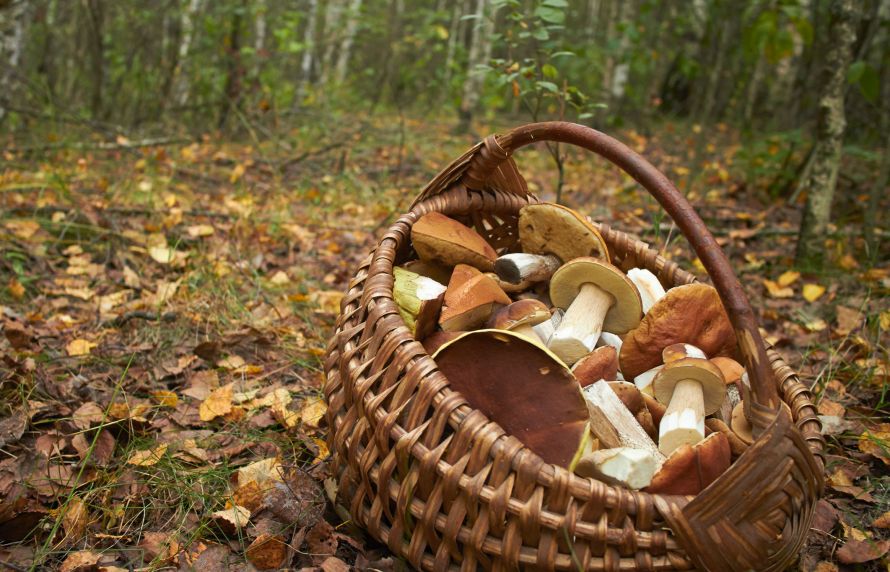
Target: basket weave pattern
[{"x": 446, "y": 488}]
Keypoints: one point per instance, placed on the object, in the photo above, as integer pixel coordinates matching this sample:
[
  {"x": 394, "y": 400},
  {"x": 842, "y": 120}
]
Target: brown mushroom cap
[
  {"x": 676, "y": 352},
  {"x": 626, "y": 310},
  {"x": 521, "y": 386},
  {"x": 689, "y": 470},
  {"x": 731, "y": 369},
  {"x": 524, "y": 312},
  {"x": 601, "y": 363},
  {"x": 691, "y": 314},
  {"x": 438, "y": 238},
  {"x": 437, "y": 339},
  {"x": 629, "y": 395},
  {"x": 740, "y": 425},
  {"x": 470, "y": 299},
  {"x": 554, "y": 229},
  {"x": 700, "y": 370}
]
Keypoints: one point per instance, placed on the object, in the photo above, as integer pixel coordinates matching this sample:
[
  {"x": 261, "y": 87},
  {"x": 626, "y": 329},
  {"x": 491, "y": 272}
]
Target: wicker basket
[{"x": 445, "y": 488}]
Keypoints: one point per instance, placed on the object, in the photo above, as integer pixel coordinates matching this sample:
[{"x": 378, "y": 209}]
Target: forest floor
[{"x": 165, "y": 311}]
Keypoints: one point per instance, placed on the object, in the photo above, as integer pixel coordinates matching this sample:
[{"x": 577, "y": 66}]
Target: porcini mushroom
[
  {"x": 632, "y": 468},
  {"x": 740, "y": 424},
  {"x": 691, "y": 314},
  {"x": 732, "y": 374},
  {"x": 690, "y": 469},
  {"x": 550, "y": 235},
  {"x": 524, "y": 388},
  {"x": 692, "y": 388},
  {"x": 601, "y": 363},
  {"x": 419, "y": 300},
  {"x": 651, "y": 290},
  {"x": 606, "y": 407},
  {"x": 470, "y": 299},
  {"x": 521, "y": 317},
  {"x": 676, "y": 352},
  {"x": 595, "y": 295},
  {"x": 441, "y": 239}
]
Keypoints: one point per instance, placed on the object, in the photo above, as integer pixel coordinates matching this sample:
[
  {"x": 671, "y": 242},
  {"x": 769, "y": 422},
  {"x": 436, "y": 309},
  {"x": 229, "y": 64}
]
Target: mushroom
[
  {"x": 470, "y": 299},
  {"x": 546, "y": 329},
  {"x": 437, "y": 272},
  {"x": 419, "y": 300},
  {"x": 690, "y": 469},
  {"x": 692, "y": 388},
  {"x": 606, "y": 408},
  {"x": 633, "y": 399},
  {"x": 550, "y": 235},
  {"x": 691, "y": 314},
  {"x": 732, "y": 374},
  {"x": 509, "y": 287},
  {"x": 521, "y": 317},
  {"x": 651, "y": 290},
  {"x": 644, "y": 380},
  {"x": 596, "y": 296},
  {"x": 632, "y": 468},
  {"x": 736, "y": 445},
  {"x": 740, "y": 424},
  {"x": 440, "y": 239},
  {"x": 524, "y": 388},
  {"x": 676, "y": 352},
  {"x": 439, "y": 338},
  {"x": 601, "y": 363},
  {"x": 610, "y": 339}
]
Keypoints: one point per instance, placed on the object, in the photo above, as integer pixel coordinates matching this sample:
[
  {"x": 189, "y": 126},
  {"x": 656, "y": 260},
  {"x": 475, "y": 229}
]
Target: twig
[{"x": 142, "y": 315}]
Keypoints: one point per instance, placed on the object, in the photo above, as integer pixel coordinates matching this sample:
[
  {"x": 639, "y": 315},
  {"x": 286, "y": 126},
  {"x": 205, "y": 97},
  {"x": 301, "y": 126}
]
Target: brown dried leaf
[
  {"x": 230, "y": 521},
  {"x": 81, "y": 561},
  {"x": 159, "y": 545},
  {"x": 848, "y": 320},
  {"x": 75, "y": 520},
  {"x": 882, "y": 521},
  {"x": 148, "y": 457},
  {"x": 857, "y": 551},
  {"x": 267, "y": 552},
  {"x": 877, "y": 444},
  {"x": 334, "y": 564},
  {"x": 321, "y": 541}
]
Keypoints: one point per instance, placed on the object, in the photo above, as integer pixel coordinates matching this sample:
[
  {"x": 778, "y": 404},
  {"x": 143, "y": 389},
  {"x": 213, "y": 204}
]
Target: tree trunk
[
  {"x": 332, "y": 26},
  {"x": 259, "y": 34},
  {"x": 473, "y": 81},
  {"x": 308, "y": 52},
  {"x": 234, "y": 67},
  {"x": 453, "y": 37},
  {"x": 187, "y": 23},
  {"x": 822, "y": 178},
  {"x": 348, "y": 38},
  {"x": 96, "y": 54},
  {"x": 13, "y": 25}
]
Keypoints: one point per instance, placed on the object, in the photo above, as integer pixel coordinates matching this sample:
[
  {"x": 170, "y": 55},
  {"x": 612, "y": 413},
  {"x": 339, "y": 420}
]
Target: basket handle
[{"x": 497, "y": 149}]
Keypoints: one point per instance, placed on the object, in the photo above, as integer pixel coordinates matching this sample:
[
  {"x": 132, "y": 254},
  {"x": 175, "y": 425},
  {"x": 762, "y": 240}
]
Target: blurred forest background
[{"x": 187, "y": 186}]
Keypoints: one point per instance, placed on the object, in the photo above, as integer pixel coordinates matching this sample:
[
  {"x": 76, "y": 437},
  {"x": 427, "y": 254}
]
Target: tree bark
[
  {"x": 187, "y": 23},
  {"x": 473, "y": 81},
  {"x": 348, "y": 38},
  {"x": 96, "y": 54},
  {"x": 13, "y": 25},
  {"x": 234, "y": 67},
  {"x": 332, "y": 26},
  {"x": 308, "y": 52},
  {"x": 822, "y": 178}
]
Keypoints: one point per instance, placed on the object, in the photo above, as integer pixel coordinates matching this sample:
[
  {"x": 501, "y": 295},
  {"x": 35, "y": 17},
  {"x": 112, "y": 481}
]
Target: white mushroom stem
[
  {"x": 610, "y": 339},
  {"x": 602, "y": 401},
  {"x": 582, "y": 324},
  {"x": 684, "y": 418},
  {"x": 529, "y": 332},
  {"x": 522, "y": 267},
  {"x": 644, "y": 380},
  {"x": 651, "y": 290},
  {"x": 632, "y": 468},
  {"x": 546, "y": 329}
]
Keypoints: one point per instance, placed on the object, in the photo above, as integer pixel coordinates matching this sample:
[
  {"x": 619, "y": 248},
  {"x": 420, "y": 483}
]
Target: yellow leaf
[
  {"x": 79, "y": 347},
  {"x": 24, "y": 228},
  {"x": 16, "y": 289},
  {"x": 165, "y": 398},
  {"x": 788, "y": 278},
  {"x": 327, "y": 301},
  {"x": 812, "y": 292},
  {"x": 162, "y": 254},
  {"x": 262, "y": 472},
  {"x": 147, "y": 457},
  {"x": 280, "y": 278},
  {"x": 847, "y": 262},
  {"x": 313, "y": 411},
  {"x": 218, "y": 403},
  {"x": 75, "y": 519},
  {"x": 323, "y": 450},
  {"x": 231, "y": 520},
  {"x": 231, "y": 362},
  {"x": 876, "y": 443},
  {"x": 237, "y": 172},
  {"x": 776, "y": 291},
  {"x": 200, "y": 230},
  {"x": 884, "y": 320}
]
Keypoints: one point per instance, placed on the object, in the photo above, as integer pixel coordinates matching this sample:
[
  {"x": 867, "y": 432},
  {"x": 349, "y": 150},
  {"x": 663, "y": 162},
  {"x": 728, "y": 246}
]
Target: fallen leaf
[
  {"x": 162, "y": 254},
  {"x": 75, "y": 520},
  {"x": 231, "y": 520},
  {"x": 165, "y": 398},
  {"x": 776, "y": 291},
  {"x": 148, "y": 457},
  {"x": 825, "y": 566},
  {"x": 877, "y": 444},
  {"x": 788, "y": 278},
  {"x": 261, "y": 472},
  {"x": 327, "y": 302},
  {"x": 199, "y": 230},
  {"x": 23, "y": 228},
  {"x": 334, "y": 564},
  {"x": 267, "y": 552},
  {"x": 812, "y": 292},
  {"x": 826, "y": 516},
  {"x": 321, "y": 541},
  {"x": 218, "y": 403},
  {"x": 847, "y": 262},
  {"x": 81, "y": 561},
  {"x": 79, "y": 347},
  {"x": 848, "y": 320},
  {"x": 829, "y": 407},
  {"x": 884, "y": 320},
  {"x": 313, "y": 411},
  {"x": 16, "y": 290},
  {"x": 882, "y": 521},
  {"x": 159, "y": 545},
  {"x": 280, "y": 278},
  {"x": 231, "y": 362},
  {"x": 858, "y": 551}
]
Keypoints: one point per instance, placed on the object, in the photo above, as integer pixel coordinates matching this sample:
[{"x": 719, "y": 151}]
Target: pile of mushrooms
[{"x": 597, "y": 370}]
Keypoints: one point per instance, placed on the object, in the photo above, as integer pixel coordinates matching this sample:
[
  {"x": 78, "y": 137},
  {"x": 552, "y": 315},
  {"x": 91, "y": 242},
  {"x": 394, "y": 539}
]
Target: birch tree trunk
[
  {"x": 473, "y": 82},
  {"x": 332, "y": 27},
  {"x": 94, "y": 11},
  {"x": 822, "y": 177},
  {"x": 348, "y": 38},
  {"x": 308, "y": 52},
  {"x": 187, "y": 23},
  {"x": 453, "y": 34},
  {"x": 13, "y": 24},
  {"x": 259, "y": 34}
]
